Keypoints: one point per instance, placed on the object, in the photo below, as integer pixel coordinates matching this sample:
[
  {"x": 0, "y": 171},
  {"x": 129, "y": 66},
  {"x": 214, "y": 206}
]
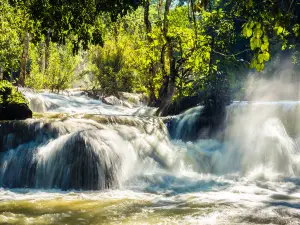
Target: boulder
[
  {"x": 13, "y": 104},
  {"x": 127, "y": 104},
  {"x": 134, "y": 99},
  {"x": 112, "y": 100},
  {"x": 15, "y": 111}
]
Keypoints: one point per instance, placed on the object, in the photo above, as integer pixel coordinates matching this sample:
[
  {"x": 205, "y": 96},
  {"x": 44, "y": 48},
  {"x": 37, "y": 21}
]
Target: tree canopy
[{"x": 167, "y": 49}]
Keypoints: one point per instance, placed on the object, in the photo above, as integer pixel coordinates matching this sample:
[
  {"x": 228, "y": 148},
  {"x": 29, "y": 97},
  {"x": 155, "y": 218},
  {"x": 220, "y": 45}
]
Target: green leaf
[
  {"x": 260, "y": 58},
  {"x": 258, "y": 33},
  {"x": 253, "y": 63},
  {"x": 260, "y": 67},
  {"x": 264, "y": 46},
  {"x": 279, "y": 30},
  {"x": 248, "y": 32},
  {"x": 266, "y": 39},
  {"x": 266, "y": 56},
  {"x": 255, "y": 43}
]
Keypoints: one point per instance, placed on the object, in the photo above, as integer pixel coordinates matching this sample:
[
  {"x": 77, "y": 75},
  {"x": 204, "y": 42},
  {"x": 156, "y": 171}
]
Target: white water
[
  {"x": 78, "y": 102},
  {"x": 250, "y": 176}
]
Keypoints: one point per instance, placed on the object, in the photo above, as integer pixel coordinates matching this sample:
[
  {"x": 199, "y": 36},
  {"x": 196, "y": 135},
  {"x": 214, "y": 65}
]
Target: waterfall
[
  {"x": 260, "y": 140},
  {"x": 82, "y": 154},
  {"x": 95, "y": 152},
  {"x": 83, "y": 162},
  {"x": 79, "y": 102}
]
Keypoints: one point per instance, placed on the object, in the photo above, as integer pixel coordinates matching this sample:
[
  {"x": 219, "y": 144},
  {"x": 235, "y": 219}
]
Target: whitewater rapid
[{"x": 127, "y": 169}]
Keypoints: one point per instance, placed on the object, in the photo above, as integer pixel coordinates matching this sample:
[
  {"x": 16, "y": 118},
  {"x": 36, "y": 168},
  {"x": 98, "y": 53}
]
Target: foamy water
[
  {"x": 78, "y": 102},
  {"x": 193, "y": 200}
]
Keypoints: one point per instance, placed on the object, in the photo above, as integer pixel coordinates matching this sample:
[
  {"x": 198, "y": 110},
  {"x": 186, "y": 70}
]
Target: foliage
[
  {"x": 266, "y": 21},
  {"x": 10, "y": 95},
  {"x": 168, "y": 49},
  {"x": 11, "y": 30},
  {"x": 116, "y": 66},
  {"x": 61, "y": 69},
  {"x": 76, "y": 18}
]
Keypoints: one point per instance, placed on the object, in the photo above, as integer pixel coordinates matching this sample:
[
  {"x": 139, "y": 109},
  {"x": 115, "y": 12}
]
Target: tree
[
  {"x": 266, "y": 23},
  {"x": 76, "y": 18},
  {"x": 60, "y": 72},
  {"x": 11, "y": 32}
]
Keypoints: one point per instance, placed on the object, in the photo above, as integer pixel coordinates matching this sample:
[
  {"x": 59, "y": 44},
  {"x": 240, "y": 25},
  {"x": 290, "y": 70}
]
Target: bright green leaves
[
  {"x": 259, "y": 43},
  {"x": 10, "y": 95},
  {"x": 264, "y": 46},
  {"x": 263, "y": 57},
  {"x": 254, "y": 31},
  {"x": 61, "y": 67},
  {"x": 207, "y": 56},
  {"x": 255, "y": 43},
  {"x": 247, "y": 32},
  {"x": 257, "y": 32},
  {"x": 258, "y": 61},
  {"x": 12, "y": 24},
  {"x": 296, "y": 29},
  {"x": 278, "y": 29},
  {"x": 248, "y": 29}
]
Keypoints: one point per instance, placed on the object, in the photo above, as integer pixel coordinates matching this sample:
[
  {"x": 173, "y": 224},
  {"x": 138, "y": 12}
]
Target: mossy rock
[{"x": 13, "y": 104}]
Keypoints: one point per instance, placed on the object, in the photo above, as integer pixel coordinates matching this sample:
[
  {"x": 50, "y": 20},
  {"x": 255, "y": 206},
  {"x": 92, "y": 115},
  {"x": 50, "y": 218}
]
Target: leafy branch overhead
[{"x": 76, "y": 18}]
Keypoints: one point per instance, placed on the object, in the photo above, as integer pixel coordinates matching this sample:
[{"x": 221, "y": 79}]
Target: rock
[
  {"x": 13, "y": 104},
  {"x": 133, "y": 98},
  {"x": 15, "y": 112},
  {"x": 112, "y": 100},
  {"x": 37, "y": 104},
  {"x": 127, "y": 104}
]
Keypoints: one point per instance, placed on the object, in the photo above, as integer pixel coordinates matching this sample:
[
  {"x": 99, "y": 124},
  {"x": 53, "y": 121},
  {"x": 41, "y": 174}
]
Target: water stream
[{"x": 125, "y": 167}]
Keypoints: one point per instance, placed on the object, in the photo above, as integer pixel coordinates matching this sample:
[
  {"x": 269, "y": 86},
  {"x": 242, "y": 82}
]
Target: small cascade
[
  {"x": 79, "y": 102},
  {"x": 260, "y": 140},
  {"x": 82, "y": 154},
  {"x": 186, "y": 125}
]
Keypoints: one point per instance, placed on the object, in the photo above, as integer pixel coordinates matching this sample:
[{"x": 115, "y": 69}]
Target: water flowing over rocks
[
  {"x": 79, "y": 153},
  {"x": 79, "y": 166}
]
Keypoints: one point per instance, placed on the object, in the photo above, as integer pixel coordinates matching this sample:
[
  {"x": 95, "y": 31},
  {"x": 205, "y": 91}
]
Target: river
[{"x": 106, "y": 164}]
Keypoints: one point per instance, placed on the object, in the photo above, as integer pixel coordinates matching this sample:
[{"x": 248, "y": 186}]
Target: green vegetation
[
  {"x": 166, "y": 49},
  {"x": 10, "y": 94}
]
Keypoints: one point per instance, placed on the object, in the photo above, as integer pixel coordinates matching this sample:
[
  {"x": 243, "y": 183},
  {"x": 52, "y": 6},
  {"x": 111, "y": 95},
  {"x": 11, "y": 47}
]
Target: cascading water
[
  {"x": 77, "y": 102},
  {"x": 92, "y": 169}
]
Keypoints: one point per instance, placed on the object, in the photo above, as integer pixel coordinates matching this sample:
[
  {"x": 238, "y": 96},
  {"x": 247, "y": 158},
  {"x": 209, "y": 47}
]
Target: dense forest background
[{"x": 177, "y": 52}]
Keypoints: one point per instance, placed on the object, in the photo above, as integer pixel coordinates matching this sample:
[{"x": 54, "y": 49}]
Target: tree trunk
[
  {"x": 159, "y": 8},
  {"x": 152, "y": 70},
  {"x": 11, "y": 75},
  {"x": 42, "y": 52},
  {"x": 166, "y": 14},
  {"x": 47, "y": 50},
  {"x": 169, "y": 84},
  {"x": 24, "y": 59},
  {"x": 167, "y": 89}
]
